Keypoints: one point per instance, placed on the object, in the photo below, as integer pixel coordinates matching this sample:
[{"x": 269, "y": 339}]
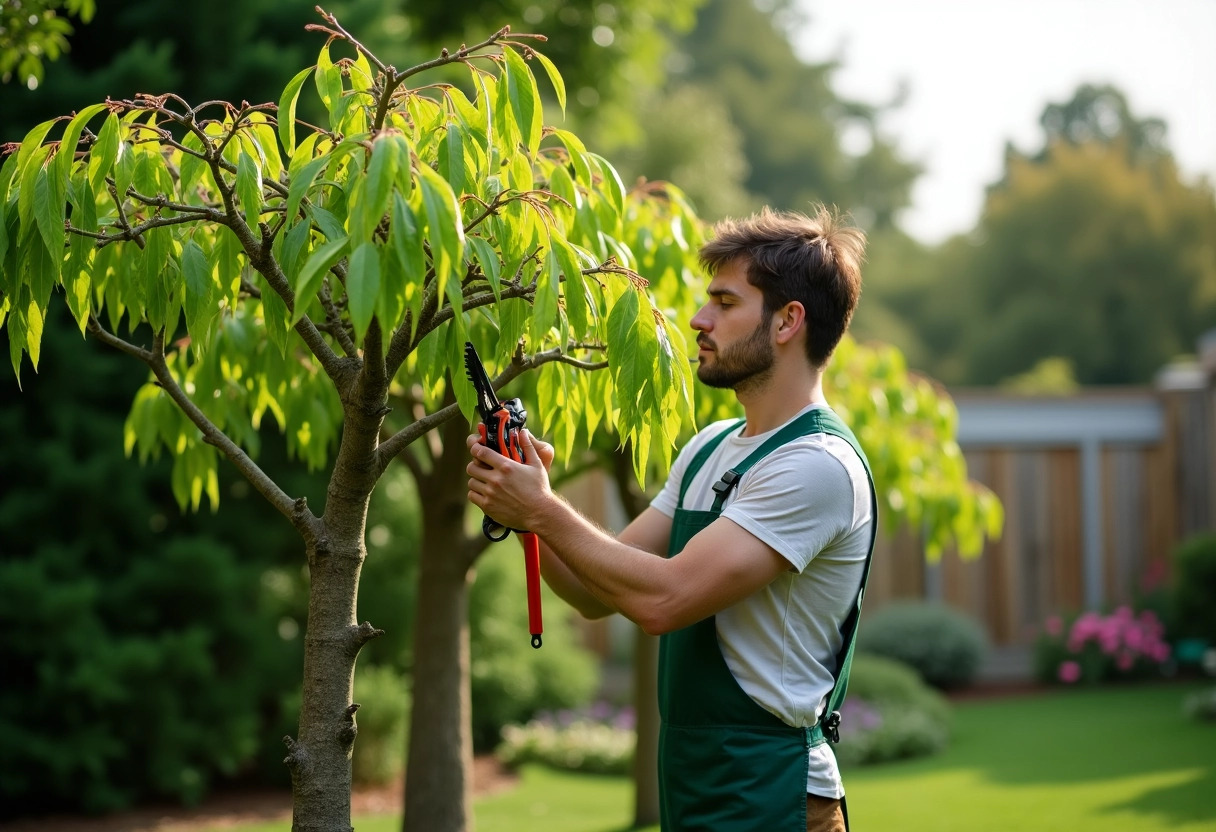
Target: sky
[{"x": 980, "y": 73}]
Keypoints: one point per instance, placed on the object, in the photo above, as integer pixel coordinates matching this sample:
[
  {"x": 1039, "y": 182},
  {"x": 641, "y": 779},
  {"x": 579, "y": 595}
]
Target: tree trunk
[
  {"x": 645, "y": 672},
  {"x": 439, "y": 762},
  {"x": 319, "y": 758},
  {"x": 646, "y": 708}
]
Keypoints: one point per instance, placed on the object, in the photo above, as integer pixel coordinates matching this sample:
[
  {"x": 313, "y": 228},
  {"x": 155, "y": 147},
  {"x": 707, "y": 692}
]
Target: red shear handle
[{"x": 532, "y": 572}]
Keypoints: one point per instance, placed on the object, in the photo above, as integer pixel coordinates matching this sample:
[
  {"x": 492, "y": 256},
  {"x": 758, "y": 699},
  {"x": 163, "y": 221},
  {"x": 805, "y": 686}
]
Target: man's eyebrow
[{"x": 720, "y": 293}]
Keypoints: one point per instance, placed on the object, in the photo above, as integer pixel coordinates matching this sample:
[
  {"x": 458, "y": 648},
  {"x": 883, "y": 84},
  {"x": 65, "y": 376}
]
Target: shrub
[
  {"x": 598, "y": 742},
  {"x": 890, "y": 714},
  {"x": 1202, "y": 705},
  {"x": 1093, "y": 647},
  {"x": 510, "y": 681},
  {"x": 383, "y": 720},
  {"x": 1194, "y": 595},
  {"x": 944, "y": 646}
]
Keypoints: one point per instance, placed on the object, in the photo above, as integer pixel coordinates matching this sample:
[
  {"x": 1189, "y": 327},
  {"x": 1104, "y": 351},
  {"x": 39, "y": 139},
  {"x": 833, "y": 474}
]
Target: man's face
[{"x": 733, "y": 333}]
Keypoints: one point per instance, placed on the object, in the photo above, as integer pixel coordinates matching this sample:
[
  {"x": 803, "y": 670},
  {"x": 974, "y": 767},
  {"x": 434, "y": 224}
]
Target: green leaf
[
  {"x": 300, "y": 184},
  {"x": 409, "y": 258},
  {"x": 249, "y": 188},
  {"x": 16, "y": 341},
  {"x": 363, "y": 286},
  {"x": 31, "y": 144},
  {"x": 555, "y": 78},
  {"x": 451, "y": 158},
  {"x": 622, "y": 353},
  {"x": 71, "y": 138},
  {"x": 329, "y": 87},
  {"x": 578, "y": 156},
  {"x": 200, "y": 295},
  {"x": 124, "y": 169},
  {"x": 49, "y": 215},
  {"x": 487, "y": 258},
  {"x": 575, "y": 291},
  {"x": 319, "y": 263},
  {"x": 293, "y": 247},
  {"x": 544, "y": 303},
  {"x": 612, "y": 182},
  {"x": 524, "y": 98},
  {"x": 274, "y": 312},
  {"x": 444, "y": 231},
  {"x": 33, "y": 333},
  {"x": 287, "y": 109},
  {"x": 365, "y": 215},
  {"x": 76, "y": 279}
]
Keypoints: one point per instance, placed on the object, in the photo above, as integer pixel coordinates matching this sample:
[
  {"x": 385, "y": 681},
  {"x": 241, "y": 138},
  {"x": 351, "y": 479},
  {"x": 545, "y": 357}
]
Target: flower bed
[{"x": 1092, "y": 647}]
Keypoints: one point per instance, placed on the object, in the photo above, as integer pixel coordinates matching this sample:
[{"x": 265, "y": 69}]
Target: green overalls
[{"x": 725, "y": 763}]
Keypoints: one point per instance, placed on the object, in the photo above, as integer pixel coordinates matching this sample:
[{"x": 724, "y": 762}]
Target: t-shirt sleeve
[
  {"x": 797, "y": 500},
  {"x": 668, "y": 498}
]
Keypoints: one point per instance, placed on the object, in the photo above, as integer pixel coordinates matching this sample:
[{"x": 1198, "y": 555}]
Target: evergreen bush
[
  {"x": 1194, "y": 592},
  {"x": 890, "y": 714},
  {"x": 944, "y": 646}
]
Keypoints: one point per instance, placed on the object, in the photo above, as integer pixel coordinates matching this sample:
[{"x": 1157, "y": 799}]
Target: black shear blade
[{"x": 487, "y": 402}]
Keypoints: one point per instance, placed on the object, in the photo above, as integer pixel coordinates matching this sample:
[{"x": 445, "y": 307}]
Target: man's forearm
[
  {"x": 619, "y": 576},
  {"x": 568, "y": 587}
]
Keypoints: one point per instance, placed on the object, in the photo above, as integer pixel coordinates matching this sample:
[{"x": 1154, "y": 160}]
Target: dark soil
[{"x": 231, "y": 808}]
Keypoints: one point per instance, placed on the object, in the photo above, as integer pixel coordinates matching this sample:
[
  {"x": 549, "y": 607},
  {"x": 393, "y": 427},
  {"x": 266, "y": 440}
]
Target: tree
[
  {"x": 791, "y": 120},
  {"x": 33, "y": 30},
  {"x": 317, "y": 276}
]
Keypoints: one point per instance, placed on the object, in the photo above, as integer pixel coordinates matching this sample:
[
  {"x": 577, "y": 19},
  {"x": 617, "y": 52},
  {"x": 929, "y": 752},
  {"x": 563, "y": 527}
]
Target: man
[{"x": 759, "y": 582}]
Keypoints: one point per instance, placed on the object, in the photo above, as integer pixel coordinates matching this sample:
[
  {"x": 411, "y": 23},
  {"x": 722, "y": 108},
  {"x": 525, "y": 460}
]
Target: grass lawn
[{"x": 1118, "y": 759}]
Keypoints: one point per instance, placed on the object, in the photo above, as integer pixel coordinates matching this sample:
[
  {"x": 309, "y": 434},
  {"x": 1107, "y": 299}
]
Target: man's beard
[{"x": 748, "y": 363}]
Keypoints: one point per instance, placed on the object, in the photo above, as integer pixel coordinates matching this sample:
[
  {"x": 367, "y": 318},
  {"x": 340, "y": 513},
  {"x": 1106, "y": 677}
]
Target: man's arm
[
  {"x": 721, "y": 565},
  {"x": 649, "y": 532}
]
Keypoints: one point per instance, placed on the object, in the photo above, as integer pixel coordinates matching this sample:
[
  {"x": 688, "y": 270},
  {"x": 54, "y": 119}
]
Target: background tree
[
  {"x": 33, "y": 31},
  {"x": 313, "y": 282},
  {"x": 803, "y": 142},
  {"x": 1093, "y": 251}
]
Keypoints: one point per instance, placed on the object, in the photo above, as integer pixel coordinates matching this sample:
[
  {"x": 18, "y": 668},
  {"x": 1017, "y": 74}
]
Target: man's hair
[{"x": 814, "y": 260}]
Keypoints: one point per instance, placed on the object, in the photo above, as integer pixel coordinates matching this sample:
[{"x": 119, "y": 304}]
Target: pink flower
[
  {"x": 1069, "y": 672},
  {"x": 1054, "y": 625},
  {"x": 1125, "y": 661}
]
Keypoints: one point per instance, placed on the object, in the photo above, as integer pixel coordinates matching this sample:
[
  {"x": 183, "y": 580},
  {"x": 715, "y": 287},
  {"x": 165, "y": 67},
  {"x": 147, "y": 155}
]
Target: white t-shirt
[{"x": 810, "y": 501}]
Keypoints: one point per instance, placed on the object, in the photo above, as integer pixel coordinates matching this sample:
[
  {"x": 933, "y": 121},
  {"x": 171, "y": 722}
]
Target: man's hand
[{"x": 508, "y": 491}]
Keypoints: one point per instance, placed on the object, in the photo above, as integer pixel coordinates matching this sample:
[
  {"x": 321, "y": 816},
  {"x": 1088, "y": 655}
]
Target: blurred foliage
[
  {"x": 802, "y": 142},
  {"x": 940, "y": 643},
  {"x": 34, "y": 31},
  {"x": 1052, "y": 376},
  {"x": 1193, "y": 607},
  {"x": 510, "y": 680},
  {"x": 142, "y": 652},
  {"x": 890, "y": 713},
  {"x": 384, "y": 703},
  {"x": 1093, "y": 251},
  {"x": 143, "y": 46},
  {"x": 609, "y": 51}
]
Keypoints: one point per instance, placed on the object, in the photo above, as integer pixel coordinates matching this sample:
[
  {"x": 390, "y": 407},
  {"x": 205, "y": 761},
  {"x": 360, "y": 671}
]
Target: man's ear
[{"x": 791, "y": 320}]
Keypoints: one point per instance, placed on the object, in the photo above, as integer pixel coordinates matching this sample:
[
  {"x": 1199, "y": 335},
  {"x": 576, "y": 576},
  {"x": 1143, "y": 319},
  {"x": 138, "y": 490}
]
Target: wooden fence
[{"x": 1098, "y": 489}]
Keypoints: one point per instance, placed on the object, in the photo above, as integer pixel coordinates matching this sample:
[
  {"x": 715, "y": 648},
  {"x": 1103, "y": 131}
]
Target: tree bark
[
  {"x": 645, "y": 673},
  {"x": 319, "y": 758},
  {"x": 438, "y": 784},
  {"x": 646, "y": 709}
]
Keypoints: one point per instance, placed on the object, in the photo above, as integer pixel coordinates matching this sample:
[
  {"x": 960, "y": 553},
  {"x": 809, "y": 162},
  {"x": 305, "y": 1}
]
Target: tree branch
[
  {"x": 109, "y": 339},
  {"x": 398, "y": 442},
  {"x": 294, "y": 510}
]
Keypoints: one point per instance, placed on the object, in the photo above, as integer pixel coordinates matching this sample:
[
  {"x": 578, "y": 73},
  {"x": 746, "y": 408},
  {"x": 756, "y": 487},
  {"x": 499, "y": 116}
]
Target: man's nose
[{"x": 700, "y": 321}]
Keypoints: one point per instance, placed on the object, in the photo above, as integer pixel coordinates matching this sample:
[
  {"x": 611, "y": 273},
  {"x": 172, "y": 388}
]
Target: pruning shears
[{"x": 499, "y": 429}]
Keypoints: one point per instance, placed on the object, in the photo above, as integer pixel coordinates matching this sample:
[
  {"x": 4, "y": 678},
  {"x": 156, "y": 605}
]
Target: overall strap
[
  {"x": 701, "y": 456},
  {"x": 829, "y": 724},
  {"x": 812, "y": 421}
]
